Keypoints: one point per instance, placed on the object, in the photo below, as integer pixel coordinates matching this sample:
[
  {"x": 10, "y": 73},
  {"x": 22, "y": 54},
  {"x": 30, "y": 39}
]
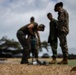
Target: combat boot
[
  {"x": 24, "y": 59},
  {"x": 64, "y": 61},
  {"x": 54, "y": 61},
  {"x": 39, "y": 62},
  {"x": 24, "y": 62}
]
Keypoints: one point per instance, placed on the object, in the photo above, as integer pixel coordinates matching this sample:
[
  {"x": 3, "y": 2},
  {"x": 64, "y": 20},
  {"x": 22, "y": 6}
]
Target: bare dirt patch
[
  {"x": 23, "y": 69},
  {"x": 18, "y": 69}
]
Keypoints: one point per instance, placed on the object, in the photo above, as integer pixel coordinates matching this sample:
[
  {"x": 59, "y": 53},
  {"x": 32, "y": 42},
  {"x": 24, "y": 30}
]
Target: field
[{"x": 13, "y": 67}]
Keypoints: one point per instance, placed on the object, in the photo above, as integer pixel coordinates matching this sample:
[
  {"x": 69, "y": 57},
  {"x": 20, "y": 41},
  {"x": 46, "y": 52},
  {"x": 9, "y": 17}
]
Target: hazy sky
[{"x": 16, "y": 13}]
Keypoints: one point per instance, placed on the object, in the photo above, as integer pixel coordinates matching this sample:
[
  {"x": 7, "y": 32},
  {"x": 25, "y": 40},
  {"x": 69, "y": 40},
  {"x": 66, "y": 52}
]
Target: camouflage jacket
[{"x": 63, "y": 21}]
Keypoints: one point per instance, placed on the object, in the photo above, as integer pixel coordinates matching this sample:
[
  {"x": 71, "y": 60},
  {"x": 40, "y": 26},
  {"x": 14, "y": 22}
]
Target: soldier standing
[
  {"x": 53, "y": 36},
  {"x": 33, "y": 40},
  {"x": 63, "y": 30}
]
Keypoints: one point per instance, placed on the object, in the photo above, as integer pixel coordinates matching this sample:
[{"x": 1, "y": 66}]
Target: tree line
[{"x": 11, "y": 46}]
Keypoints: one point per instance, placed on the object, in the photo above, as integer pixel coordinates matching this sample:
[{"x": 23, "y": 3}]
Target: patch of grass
[{"x": 72, "y": 62}]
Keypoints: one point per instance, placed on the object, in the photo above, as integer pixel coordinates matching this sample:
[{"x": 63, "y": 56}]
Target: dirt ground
[{"x": 22, "y": 69}]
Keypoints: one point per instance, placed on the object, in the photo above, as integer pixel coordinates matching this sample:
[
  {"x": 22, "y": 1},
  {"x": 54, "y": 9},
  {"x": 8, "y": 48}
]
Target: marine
[{"x": 63, "y": 30}]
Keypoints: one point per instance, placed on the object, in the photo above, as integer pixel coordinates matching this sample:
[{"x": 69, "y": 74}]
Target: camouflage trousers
[
  {"x": 25, "y": 44},
  {"x": 53, "y": 43},
  {"x": 63, "y": 44}
]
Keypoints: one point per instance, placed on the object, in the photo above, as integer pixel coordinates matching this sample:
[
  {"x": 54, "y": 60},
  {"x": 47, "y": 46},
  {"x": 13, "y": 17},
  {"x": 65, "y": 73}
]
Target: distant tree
[{"x": 6, "y": 43}]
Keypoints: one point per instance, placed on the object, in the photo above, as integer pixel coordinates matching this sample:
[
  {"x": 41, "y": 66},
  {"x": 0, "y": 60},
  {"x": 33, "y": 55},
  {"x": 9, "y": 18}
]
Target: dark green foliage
[
  {"x": 9, "y": 43},
  {"x": 9, "y": 46}
]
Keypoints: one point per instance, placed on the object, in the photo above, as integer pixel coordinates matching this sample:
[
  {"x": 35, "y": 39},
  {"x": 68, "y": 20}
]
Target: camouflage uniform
[
  {"x": 53, "y": 37},
  {"x": 26, "y": 44},
  {"x": 63, "y": 30}
]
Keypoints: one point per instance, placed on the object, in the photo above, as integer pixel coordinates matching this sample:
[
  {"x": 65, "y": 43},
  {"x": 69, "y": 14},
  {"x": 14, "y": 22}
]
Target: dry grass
[{"x": 19, "y": 69}]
